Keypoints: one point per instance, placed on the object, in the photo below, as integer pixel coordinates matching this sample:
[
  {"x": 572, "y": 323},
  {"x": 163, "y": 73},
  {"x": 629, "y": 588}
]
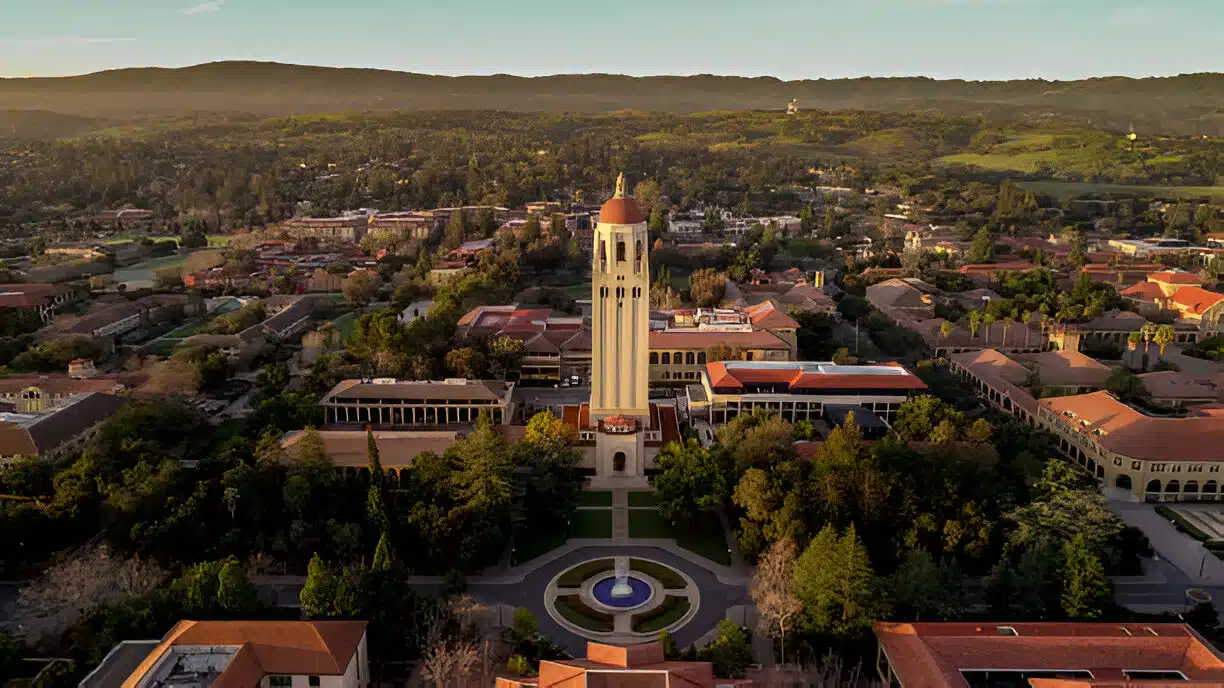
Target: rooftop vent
[{"x": 1006, "y": 630}]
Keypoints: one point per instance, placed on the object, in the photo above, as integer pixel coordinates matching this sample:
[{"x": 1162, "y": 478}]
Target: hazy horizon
[{"x": 974, "y": 40}]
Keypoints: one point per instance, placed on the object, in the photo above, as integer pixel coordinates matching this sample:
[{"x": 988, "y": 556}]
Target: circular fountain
[{"x": 622, "y": 593}]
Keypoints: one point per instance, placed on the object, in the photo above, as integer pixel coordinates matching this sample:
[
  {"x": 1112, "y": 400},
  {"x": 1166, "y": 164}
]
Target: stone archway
[
  {"x": 1123, "y": 482},
  {"x": 1153, "y": 486},
  {"x": 618, "y": 462}
]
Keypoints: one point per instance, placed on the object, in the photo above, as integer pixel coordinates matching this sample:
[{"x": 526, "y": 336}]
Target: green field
[
  {"x": 1061, "y": 190},
  {"x": 145, "y": 270},
  {"x": 642, "y": 499},
  {"x": 578, "y": 291},
  {"x": 594, "y": 498},
  {"x": 591, "y": 523}
]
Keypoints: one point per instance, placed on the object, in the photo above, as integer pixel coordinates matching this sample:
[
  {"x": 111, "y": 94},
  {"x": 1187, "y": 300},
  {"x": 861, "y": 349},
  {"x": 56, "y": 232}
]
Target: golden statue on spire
[{"x": 620, "y": 185}]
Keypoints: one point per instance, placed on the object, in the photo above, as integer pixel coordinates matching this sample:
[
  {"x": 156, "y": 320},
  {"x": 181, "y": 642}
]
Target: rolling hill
[{"x": 1187, "y": 104}]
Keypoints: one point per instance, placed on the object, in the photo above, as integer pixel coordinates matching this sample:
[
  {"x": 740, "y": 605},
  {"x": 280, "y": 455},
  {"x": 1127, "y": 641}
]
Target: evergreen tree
[
  {"x": 982, "y": 248},
  {"x": 318, "y": 596},
  {"x": 372, "y": 459},
  {"x": 1085, "y": 587},
  {"x": 835, "y": 582},
  {"x": 658, "y": 223},
  {"x": 234, "y": 591},
  {"x": 384, "y": 556},
  {"x": 376, "y": 508},
  {"x": 455, "y": 231},
  {"x": 830, "y": 222}
]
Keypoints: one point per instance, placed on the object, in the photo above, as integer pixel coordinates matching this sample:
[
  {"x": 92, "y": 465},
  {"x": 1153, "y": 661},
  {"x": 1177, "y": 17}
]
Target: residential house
[
  {"x": 1200, "y": 307},
  {"x": 42, "y": 299},
  {"x": 241, "y": 654},
  {"x": 348, "y": 229},
  {"x": 409, "y": 224}
]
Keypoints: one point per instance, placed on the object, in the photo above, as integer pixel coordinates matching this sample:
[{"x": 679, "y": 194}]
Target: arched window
[
  {"x": 1209, "y": 486},
  {"x": 603, "y": 257},
  {"x": 701, "y": 357},
  {"x": 1173, "y": 486},
  {"x": 747, "y": 355},
  {"x": 690, "y": 358},
  {"x": 1191, "y": 487},
  {"x": 1123, "y": 482},
  {"x": 654, "y": 357},
  {"x": 618, "y": 462},
  {"x": 666, "y": 358},
  {"x": 620, "y": 251},
  {"x": 637, "y": 256},
  {"x": 1153, "y": 486}
]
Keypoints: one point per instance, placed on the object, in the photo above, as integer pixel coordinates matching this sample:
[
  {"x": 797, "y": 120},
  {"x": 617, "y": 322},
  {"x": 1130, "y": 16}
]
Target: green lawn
[
  {"x": 578, "y": 291},
  {"x": 591, "y": 523},
  {"x": 647, "y": 523},
  {"x": 642, "y": 499},
  {"x": 1072, "y": 189},
  {"x": 666, "y": 614},
  {"x": 594, "y": 498}
]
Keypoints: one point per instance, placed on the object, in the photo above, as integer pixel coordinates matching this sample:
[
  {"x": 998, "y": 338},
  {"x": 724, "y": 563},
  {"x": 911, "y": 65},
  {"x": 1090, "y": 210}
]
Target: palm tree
[
  {"x": 1007, "y": 322},
  {"x": 988, "y": 320},
  {"x": 1164, "y": 336},
  {"x": 975, "y": 321},
  {"x": 1026, "y": 320},
  {"x": 1148, "y": 331},
  {"x": 945, "y": 329}
]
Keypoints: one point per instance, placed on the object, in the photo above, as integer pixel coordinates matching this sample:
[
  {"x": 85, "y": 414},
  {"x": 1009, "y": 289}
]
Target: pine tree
[
  {"x": 1085, "y": 587},
  {"x": 982, "y": 248},
  {"x": 376, "y": 508},
  {"x": 384, "y": 556}
]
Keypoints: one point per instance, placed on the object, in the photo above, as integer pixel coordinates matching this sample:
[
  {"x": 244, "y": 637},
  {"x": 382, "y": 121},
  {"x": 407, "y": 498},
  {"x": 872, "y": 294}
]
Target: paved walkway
[
  {"x": 1187, "y": 554},
  {"x": 620, "y": 515}
]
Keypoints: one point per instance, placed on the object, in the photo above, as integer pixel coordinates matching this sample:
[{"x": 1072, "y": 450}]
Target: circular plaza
[{"x": 621, "y": 598}]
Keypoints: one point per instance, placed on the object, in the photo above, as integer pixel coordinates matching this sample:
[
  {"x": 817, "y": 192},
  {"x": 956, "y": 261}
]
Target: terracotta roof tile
[
  {"x": 1196, "y": 300},
  {"x": 1128, "y": 432},
  {"x": 1144, "y": 291},
  {"x": 766, "y": 316},
  {"x": 758, "y": 339},
  {"x": 1169, "y": 277}
]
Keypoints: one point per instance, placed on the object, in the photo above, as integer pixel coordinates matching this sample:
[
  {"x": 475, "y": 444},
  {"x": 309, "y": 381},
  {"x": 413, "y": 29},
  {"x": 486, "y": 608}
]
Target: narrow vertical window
[{"x": 620, "y": 251}]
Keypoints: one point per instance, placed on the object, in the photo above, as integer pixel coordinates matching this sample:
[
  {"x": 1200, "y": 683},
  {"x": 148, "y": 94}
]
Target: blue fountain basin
[{"x": 602, "y": 591}]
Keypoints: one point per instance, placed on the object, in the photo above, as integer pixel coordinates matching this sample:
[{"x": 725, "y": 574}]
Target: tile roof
[
  {"x": 758, "y": 339},
  {"x": 992, "y": 268},
  {"x": 59, "y": 383},
  {"x": 1067, "y": 368},
  {"x": 1196, "y": 300},
  {"x": 1172, "y": 277},
  {"x": 40, "y": 433},
  {"x": 814, "y": 376},
  {"x": 932, "y": 655},
  {"x": 490, "y": 390},
  {"x": 319, "y": 648},
  {"x": 1144, "y": 291},
  {"x": 766, "y": 316},
  {"x": 26, "y": 295},
  {"x": 1171, "y": 384},
  {"x": 1126, "y": 431},
  {"x": 1001, "y": 373}
]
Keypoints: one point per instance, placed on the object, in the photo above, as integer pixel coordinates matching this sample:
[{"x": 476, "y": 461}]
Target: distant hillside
[{"x": 1188, "y": 104}]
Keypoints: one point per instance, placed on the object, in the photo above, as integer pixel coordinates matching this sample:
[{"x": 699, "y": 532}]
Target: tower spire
[{"x": 620, "y": 185}]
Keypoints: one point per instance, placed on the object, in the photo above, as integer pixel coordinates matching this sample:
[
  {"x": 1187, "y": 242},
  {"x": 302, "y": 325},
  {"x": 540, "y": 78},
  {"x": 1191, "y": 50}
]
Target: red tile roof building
[
  {"x": 635, "y": 666},
  {"x": 799, "y": 390},
  {"x": 1158, "y": 458},
  {"x": 243, "y": 654},
  {"x": 1045, "y": 655}
]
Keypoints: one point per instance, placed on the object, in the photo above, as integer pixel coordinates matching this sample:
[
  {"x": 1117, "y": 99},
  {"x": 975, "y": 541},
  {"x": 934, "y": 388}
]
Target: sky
[{"x": 791, "y": 39}]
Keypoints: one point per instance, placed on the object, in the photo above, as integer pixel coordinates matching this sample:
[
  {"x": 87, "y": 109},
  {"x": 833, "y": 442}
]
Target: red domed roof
[{"x": 621, "y": 211}]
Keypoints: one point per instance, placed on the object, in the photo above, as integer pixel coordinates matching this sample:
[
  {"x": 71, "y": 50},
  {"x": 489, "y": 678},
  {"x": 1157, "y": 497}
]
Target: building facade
[
  {"x": 387, "y": 403},
  {"x": 800, "y": 390}
]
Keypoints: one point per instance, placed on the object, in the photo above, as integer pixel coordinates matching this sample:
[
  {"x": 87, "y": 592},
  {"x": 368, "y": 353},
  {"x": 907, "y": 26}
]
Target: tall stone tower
[{"x": 620, "y": 311}]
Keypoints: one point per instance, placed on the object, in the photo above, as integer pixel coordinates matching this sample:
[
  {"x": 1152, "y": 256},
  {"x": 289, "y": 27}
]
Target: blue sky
[{"x": 792, "y": 39}]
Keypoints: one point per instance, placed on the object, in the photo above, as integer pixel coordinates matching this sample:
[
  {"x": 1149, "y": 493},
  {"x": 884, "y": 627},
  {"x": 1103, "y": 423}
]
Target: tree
[
  {"x": 648, "y": 196},
  {"x": 730, "y": 653},
  {"x": 691, "y": 481},
  {"x": 318, "y": 596},
  {"x": 706, "y": 287},
  {"x": 945, "y": 329},
  {"x": 982, "y": 248},
  {"x": 835, "y": 583},
  {"x": 975, "y": 321},
  {"x": 772, "y": 591},
  {"x": 988, "y": 320},
  {"x": 455, "y": 231},
  {"x": 918, "y": 417},
  {"x": 360, "y": 287},
  {"x": 376, "y": 507},
  {"x": 1086, "y": 592},
  {"x": 235, "y": 594},
  {"x": 944, "y": 433},
  {"x": 924, "y": 590},
  {"x": 466, "y": 362},
  {"x": 723, "y": 352},
  {"x": 505, "y": 354},
  {"x": 843, "y": 357},
  {"x": 829, "y": 226},
  {"x": 1148, "y": 331},
  {"x": 657, "y": 225},
  {"x": 384, "y": 556},
  {"x": 979, "y": 431},
  {"x": 1164, "y": 336}
]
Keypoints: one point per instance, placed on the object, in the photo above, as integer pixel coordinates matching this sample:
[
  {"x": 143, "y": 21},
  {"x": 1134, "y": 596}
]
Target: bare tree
[
  {"x": 776, "y": 604},
  {"x": 89, "y": 578}
]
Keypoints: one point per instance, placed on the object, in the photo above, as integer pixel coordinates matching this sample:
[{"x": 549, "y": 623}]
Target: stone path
[{"x": 620, "y": 515}]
